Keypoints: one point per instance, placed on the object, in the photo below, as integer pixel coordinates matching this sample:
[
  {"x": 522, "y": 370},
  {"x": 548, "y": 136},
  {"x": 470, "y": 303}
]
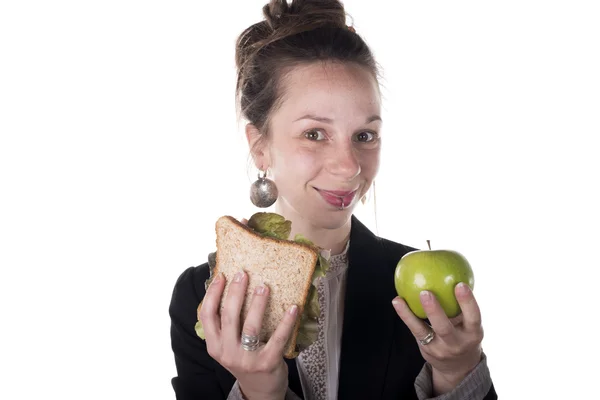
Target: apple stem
[{"x": 429, "y": 245}]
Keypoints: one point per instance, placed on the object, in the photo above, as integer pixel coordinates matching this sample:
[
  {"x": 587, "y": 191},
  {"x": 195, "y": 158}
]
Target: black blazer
[{"x": 379, "y": 359}]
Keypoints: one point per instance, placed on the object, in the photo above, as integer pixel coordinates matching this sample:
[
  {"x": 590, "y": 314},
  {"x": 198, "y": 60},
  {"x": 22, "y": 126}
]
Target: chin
[{"x": 333, "y": 219}]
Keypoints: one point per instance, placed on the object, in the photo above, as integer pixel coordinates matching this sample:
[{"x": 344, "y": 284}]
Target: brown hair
[{"x": 302, "y": 32}]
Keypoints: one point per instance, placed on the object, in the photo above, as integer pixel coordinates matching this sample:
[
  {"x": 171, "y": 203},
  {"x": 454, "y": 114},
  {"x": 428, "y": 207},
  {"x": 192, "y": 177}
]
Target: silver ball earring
[{"x": 263, "y": 192}]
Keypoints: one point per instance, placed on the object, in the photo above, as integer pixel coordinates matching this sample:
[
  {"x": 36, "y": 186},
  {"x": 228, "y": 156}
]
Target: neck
[{"x": 334, "y": 239}]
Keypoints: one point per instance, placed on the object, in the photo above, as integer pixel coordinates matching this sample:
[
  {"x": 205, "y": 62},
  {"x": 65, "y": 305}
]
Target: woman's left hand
[{"x": 456, "y": 347}]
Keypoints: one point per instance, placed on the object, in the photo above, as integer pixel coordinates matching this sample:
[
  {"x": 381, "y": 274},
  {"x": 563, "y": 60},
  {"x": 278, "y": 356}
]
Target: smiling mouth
[{"x": 338, "y": 198}]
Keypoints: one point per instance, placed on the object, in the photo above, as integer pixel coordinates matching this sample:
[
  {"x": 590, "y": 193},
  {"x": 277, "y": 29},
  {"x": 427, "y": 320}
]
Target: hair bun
[
  {"x": 304, "y": 13},
  {"x": 273, "y": 12}
]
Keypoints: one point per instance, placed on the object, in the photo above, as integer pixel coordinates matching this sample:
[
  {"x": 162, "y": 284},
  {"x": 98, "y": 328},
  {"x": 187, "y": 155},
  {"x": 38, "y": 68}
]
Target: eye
[
  {"x": 366, "y": 137},
  {"x": 315, "y": 134}
]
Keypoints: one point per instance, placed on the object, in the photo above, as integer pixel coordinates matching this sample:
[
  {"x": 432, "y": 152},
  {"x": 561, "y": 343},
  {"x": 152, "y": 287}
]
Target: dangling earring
[
  {"x": 263, "y": 192},
  {"x": 367, "y": 195}
]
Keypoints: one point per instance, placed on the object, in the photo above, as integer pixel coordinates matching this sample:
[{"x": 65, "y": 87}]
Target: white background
[{"x": 120, "y": 148}]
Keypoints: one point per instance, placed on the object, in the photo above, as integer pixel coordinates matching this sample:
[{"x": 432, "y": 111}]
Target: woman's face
[{"x": 324, "y": 144}]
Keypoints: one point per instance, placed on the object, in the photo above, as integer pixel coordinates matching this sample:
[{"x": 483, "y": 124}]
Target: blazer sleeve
[
  {"x": 198, "y": 375},
  {"x": 477, "y": 385}
]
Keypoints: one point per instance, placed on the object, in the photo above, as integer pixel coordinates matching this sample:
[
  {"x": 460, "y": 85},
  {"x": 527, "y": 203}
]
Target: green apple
[{"x": 438, "y": 271}]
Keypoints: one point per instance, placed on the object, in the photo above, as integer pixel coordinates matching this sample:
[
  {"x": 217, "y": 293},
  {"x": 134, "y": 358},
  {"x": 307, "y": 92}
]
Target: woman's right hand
[{"x": 261, "y": 374}]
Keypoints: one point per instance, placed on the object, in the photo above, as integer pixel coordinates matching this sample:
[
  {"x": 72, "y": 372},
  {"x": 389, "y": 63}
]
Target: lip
[
  {"x": 339, "y": 193},
  {"x": 338, "y": 198}
]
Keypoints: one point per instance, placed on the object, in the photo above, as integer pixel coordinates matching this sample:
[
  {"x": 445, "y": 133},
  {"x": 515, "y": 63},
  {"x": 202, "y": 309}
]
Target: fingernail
[
  {"x": 238, "y": 277},
  {"x": 217, "y": 278},
  {"x": 425, "y": 296},
  {"x": 293, "y": 310},
  {"x": 260, "y": 290},
  {"x": 463, "y": 288},
  {"x": 396, "y": 301}
]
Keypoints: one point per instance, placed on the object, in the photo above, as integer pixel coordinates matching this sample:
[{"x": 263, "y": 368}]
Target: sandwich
[{"x": 290, "y": 268}]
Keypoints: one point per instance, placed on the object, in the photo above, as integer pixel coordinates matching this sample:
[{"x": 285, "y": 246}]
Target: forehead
[{"x": 330, "y": 88}]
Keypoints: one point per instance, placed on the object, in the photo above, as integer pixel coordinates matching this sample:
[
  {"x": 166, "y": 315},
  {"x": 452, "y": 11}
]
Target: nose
[{"x": 343, "y": 162}]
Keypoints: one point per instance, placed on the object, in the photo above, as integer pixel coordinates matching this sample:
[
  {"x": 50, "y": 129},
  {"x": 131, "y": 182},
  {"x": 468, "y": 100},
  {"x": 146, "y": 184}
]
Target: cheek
[
  {"x": 370, "y": 163},
  {"x": 296, "y": 161}
]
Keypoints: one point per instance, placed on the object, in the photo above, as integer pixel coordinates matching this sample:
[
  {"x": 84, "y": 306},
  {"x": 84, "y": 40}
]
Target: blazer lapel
[{"x": 368, "y": 325}]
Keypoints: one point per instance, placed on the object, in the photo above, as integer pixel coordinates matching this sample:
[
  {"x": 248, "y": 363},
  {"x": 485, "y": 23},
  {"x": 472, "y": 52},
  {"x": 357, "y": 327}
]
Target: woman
[{"x": 307, "y": 85}]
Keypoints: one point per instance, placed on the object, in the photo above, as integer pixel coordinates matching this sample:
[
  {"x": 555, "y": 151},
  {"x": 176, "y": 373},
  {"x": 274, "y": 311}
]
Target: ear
[{"x": 258, "y": 147}]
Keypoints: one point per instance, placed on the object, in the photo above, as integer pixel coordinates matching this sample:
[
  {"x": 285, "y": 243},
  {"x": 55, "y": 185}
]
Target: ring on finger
[
  {"x": 427, "y": 339},
  {"x": 250, "y": 342}
]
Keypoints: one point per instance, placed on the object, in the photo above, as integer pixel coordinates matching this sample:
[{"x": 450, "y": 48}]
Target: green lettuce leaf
[
  {"x": 307, "y": 332},
  {"x": 322, "y": 263},
  {"x": 271, "y": 224},
  {"x": 311, "y": 310},
  {"x": 302, "y": 239},
  {"x": 200, "y": 330},
  {"x": 321, "y": 268}
]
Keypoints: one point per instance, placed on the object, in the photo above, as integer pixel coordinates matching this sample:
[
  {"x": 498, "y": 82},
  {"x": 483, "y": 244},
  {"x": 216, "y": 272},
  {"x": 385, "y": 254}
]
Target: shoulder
[
  {"x": 189, "y": 288},
  {"x": 390, "y": 250},
  {"x": 395, "y": 249},
  {"x": 393, "y": 252},
  {"x": 193, "y": 277},
  {"x": 363, "y": 239}
]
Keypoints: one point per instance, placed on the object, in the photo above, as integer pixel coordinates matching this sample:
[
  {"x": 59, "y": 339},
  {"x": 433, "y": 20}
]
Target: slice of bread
[{"x": 286, "y": 267}]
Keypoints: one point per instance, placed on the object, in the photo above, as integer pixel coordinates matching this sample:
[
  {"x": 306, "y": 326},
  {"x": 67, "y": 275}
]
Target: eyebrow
[{"x": 330, "y": 121}]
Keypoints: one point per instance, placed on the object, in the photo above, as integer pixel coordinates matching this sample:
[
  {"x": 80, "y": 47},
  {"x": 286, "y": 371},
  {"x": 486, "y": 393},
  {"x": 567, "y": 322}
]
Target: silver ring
[
  {"x": 249, "y": 342},
  {"x": 427, "y": 339}
]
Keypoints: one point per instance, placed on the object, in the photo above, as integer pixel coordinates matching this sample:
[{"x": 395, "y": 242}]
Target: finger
[
  {"x": 469, "y": 307},
  {"x": 418, "y": 328},
  {"x": 254, "y": 319},
  {"x": 457, "y": 321},
  {"x": 438, "y": 319},
  {"x": 230, "y": 318},
  {"x": 208, "y": 310},
  {"x": 278, "y": 341}
]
